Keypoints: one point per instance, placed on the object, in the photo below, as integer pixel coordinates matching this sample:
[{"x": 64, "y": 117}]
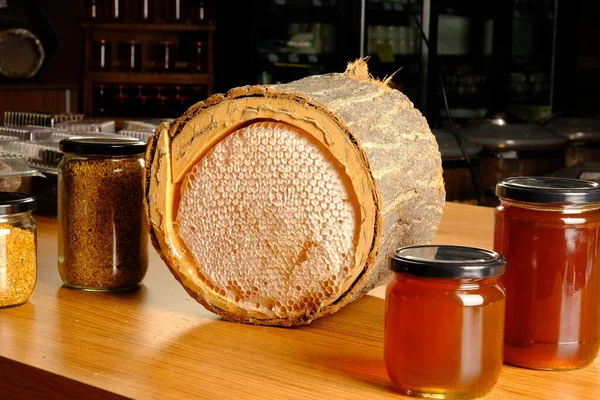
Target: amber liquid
[
  {"x": 443, "y": 338},
  {"x": 552, "y": 283}
]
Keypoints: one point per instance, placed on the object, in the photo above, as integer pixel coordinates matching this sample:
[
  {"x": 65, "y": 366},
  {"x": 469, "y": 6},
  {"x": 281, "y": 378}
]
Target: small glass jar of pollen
[
  {"x": 444, "y": 321},
  {"x": 102, "y": 235},
  {"x": 18, "y": 248}
]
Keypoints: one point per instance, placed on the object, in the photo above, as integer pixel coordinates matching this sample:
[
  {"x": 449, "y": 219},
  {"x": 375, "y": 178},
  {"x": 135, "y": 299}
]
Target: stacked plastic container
[{"x": 29, "y": 151}]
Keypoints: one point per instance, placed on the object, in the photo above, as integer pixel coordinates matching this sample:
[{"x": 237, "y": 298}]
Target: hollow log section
[{"x": 386, "y": 163}]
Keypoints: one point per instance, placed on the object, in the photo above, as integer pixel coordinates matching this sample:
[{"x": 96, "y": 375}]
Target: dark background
[{"x": 240, "y": 24}]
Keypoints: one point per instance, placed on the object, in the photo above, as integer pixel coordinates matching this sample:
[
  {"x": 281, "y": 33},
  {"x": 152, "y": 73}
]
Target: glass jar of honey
[
  {"x": 444, "y": 321},
  {"x": 549, "y": 229}
]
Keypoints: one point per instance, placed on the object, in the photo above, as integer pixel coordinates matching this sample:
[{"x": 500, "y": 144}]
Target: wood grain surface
[{"x": 158, "y": 343}]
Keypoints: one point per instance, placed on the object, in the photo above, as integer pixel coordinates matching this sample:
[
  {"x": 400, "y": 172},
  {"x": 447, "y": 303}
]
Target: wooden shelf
[
  {"x": 147, "y": 34},
  {"x": 149, "y": 27},
  {"x": 181, "y": 78}
]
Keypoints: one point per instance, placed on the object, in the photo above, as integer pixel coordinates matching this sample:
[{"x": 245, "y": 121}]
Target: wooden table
[{"x": 156, "y": 342}]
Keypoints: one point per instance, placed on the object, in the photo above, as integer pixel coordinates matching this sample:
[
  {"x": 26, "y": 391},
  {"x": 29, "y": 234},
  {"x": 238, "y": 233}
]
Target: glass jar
[
  {"x": 100, "y": 100},
  {"x": 147, "y": 10},
  {"x": 116, "y": 9},
  {"x": 548, "y": 229},
  {"x": 18, "y": 248},
  {"x": 166, "y": 55},
  {"x": 95, "y": 9},
  {"x": 181, "y": 104},
  {"x": 143, "y": 102},
  {"x": 122, "y": 102},
  {"x": 102, "y": 236},
  {"x": 197, "y": 11},
  {"x": 444, "y": 321},
  {"x": 131, "y": 55},
  {"x": 198, "y": 57},
  {"x": 162, "y": 100},
  {"x": 175, "y": 10}
]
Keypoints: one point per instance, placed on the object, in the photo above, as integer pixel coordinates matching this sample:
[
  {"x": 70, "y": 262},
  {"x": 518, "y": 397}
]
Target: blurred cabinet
[
  {"x": 146, "y": 58},
  {"x": 392, "y": 40},
  {"x": 297, "y": 38},
  {"x": 493, "y": 56}
]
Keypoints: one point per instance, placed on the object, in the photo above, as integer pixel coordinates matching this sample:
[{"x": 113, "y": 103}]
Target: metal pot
[
  {"x": 583, "y": 135},
  {"x": 512, "y": 149}
]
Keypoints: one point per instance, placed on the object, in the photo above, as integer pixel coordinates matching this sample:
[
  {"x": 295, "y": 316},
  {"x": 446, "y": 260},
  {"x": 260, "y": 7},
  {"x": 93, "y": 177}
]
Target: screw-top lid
[
  {"x": 110, "y": 146},
  {"x": 450, "y": 262},
  {"x": 13, "y": 203},
  {"x": 533, "y": 189}
]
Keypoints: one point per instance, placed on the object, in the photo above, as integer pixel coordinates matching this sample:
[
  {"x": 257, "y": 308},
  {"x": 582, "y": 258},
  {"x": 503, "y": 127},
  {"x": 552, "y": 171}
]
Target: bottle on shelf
[
  {"x": 147, "y": 10},
  {"x": 143, "y": 102},
  {"x": 122, "y": 101},
  {"x": 131, "y": 55},
  {"x": 95, "y": 9},
  {"x": 175, "y": 10},
  {"x": 99, "y": 96},
  {"x": 198, "y": 56},
  {"x": 116, "y": 9},
  {"x": 181, "y": 101},
  {"x": 166, "y": 55},
  {"x": 163, "y": 101},
  {"x": 197, "y": 11},
  {"x": 102, "y": 54}
]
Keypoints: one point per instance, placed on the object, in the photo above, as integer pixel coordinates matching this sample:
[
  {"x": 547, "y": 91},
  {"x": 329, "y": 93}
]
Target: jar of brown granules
[
  {"x": 103, "y": 241},
  {"x": 18, "y": 248}
]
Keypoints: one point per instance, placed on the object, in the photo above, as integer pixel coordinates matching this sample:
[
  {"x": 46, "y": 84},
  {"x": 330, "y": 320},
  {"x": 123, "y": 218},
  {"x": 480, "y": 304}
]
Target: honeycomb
[{"x": 268, "y": 219}]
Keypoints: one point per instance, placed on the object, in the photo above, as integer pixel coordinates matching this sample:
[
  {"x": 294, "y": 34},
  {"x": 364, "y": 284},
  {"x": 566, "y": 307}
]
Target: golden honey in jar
[
  {"x": 548, "y": 229},
  {"x": 444, "y": 321}
]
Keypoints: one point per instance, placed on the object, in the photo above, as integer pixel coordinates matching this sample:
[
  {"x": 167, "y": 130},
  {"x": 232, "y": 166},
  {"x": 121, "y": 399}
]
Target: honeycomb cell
[{"x": 262, "y": 227}]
